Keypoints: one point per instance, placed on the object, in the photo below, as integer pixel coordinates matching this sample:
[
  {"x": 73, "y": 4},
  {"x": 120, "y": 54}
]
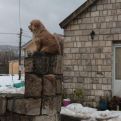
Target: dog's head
[{"x": 36, "y": 26}]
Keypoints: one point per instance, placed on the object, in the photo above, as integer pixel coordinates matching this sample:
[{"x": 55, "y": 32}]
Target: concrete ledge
[{"x": 25, "y": 106}]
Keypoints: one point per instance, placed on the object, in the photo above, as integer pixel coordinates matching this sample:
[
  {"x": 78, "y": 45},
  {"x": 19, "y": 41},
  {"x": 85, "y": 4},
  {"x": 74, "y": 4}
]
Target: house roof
[
  {"x": 78, "y": 11},
  {"x": 11, "y": 61},
  {"x": 26, "y": 44}
]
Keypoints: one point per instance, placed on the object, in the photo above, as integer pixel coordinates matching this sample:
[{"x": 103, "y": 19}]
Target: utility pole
[{"x": 20, "y": 38}]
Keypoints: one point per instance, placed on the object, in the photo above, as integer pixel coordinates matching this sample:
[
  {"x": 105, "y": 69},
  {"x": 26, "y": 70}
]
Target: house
[
  {"x": 29, "y": 48},
  {"x": 92, "y": 50},
  {"x": 14, "y": 67}
]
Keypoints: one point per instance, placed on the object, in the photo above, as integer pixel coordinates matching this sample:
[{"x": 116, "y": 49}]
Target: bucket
[
  {"x": 19, "y": 85},
  {"x": 66, "y": 102}
]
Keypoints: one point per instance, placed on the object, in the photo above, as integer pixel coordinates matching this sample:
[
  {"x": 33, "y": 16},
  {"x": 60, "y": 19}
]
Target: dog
[{"x": 45, "y": 42}]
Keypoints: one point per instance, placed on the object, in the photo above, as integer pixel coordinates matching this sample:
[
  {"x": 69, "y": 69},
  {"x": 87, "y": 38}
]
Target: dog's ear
[{"x": 42, "y": 27}]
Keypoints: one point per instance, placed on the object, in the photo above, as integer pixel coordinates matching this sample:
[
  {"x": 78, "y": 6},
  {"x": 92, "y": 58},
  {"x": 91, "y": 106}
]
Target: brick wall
[{"x": 88, "y": 63}]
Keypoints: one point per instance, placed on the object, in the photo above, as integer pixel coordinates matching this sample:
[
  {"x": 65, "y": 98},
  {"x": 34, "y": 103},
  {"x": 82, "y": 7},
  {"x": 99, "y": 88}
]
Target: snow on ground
[
  {"x": 12, "y": 90},
  {"x": 7, "y": 84},
  {"x": 90, "y": 114}
]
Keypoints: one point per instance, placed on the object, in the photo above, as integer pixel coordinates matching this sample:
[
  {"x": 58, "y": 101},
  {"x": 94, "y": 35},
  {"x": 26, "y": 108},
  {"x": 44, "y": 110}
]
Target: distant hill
[{"x": 9, "y": 48}]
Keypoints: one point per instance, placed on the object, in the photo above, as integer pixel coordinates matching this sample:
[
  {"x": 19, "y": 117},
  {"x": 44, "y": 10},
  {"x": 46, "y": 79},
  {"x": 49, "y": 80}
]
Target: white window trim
[{"x": 113, "y": 67}]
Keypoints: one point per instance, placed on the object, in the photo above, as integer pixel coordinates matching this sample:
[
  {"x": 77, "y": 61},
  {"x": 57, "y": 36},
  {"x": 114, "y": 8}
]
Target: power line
[
  {"x": 25, "y": 31},
  {"x": 14, "y": 34},
  {"x": 9, "y": 33},
  {"x": 26, "y": 36}
]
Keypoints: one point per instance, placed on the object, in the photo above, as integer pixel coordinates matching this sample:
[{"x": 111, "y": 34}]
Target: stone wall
[
  {"x": 87, "y": 62},
  {"x": 43, "y": 88}
]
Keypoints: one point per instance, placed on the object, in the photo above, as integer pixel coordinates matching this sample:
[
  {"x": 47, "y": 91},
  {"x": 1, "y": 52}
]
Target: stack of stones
[{"x": 43, "y": 87}]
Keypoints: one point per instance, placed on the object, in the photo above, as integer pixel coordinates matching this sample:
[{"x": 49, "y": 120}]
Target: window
[{"x": 118, "y": 63}]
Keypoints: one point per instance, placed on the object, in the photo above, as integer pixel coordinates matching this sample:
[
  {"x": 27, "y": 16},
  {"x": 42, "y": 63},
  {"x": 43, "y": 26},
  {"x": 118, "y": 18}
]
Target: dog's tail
[{"x": 59, "y": 41}]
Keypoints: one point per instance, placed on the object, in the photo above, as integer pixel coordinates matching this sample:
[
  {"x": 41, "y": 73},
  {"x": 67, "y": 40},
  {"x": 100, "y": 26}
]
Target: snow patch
[
  {"x": 7, "y": 84},
  {"x": 90, "y": 114}
]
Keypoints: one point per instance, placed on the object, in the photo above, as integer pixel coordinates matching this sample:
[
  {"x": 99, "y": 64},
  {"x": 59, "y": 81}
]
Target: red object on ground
[{"x": 66, "y": 102}]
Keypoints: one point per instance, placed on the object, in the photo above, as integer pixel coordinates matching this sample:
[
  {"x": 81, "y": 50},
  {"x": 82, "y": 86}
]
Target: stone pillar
[
  {"x": 43, "y": 81},
  {"x": 43, "y": 87}
]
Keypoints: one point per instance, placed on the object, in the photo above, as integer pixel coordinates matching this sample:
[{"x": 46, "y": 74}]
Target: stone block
[
  {"x": 67, "y": 62},
  {"x": 75, "y": 50},
  {"x": 11, "y": 117},
  {"x": 107, "y": 68},
  {"x": 3, "y": 102},
  {"x": 28, "y": 64},
  {"x": 107, "y": 49},
  {"x": 68, "y": 73},
  {"x": 104, "y": 31},
  {"x": 59, "y": 80},
  {"x": 56, "y": 65},
  {"x": 41, "y": 64},
  {"x": 25, "y": 118},
  {"x": 68, "y": 68},
  {"x": 113, "y": 24},
  {"x": 49, "y": 85},
  {"x": 103, "y": 25},
  {"x": 88, "y": 44},
  {"x": 102, "y": 44},
  {"x": 115, "y": 30},
  {"x": 52, "y": 85},
  {"x": 119, "y": 18},
  {"x": 97, "y": 56},
  {"x": 33, "y": 85},
  {"x": 25, "y": 106},
  {"x": 74, "y": 27},
  {"x": 77, "y": 32},
  {"x": 100, "y": 7},
  {"x": 108, "y": 74},
  {"x": 3, "y": 119},
  {"x": 16, "y": 117},
  {"x": 49, "y": 106},
  {"x": 68, "y": 32},
  {"x": 68, "y": 44},
  {"x": 48, "y": 64},
  {"x": 46, "y": 118},
  {"x": 84, "y": 38},
  {"x": 109, "y": 43},
  {"x": 58, "y": 101},
  {"x": 96, "y": 13},
  {"x": 67, "y": 50},
  {"x": 96, "y": 44}
]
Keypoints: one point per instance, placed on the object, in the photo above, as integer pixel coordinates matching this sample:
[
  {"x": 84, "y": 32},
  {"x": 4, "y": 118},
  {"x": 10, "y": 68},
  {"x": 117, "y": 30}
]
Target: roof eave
[
  {"x": 26, "y": 44},
  {"x": 78, "y": 11}
]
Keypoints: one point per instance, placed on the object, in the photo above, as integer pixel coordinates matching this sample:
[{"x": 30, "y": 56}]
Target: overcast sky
[{"x": 50, "y": 12}]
